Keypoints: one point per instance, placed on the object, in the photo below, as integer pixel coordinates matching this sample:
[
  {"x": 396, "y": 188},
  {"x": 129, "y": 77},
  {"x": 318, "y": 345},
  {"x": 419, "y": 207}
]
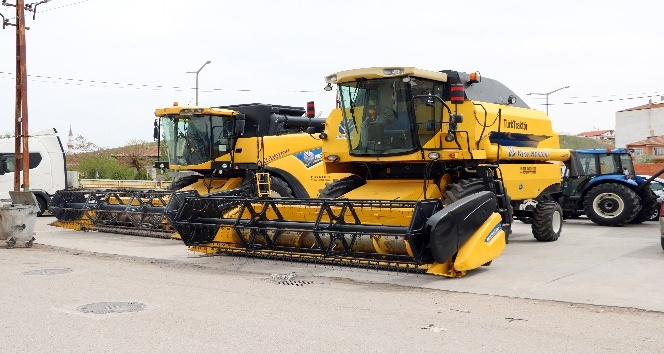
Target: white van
[{"x": 47, "y": 167}]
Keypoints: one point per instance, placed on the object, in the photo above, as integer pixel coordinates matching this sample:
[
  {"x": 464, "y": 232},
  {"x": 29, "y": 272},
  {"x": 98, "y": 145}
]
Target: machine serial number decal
[{"x": 492, "y": 234}]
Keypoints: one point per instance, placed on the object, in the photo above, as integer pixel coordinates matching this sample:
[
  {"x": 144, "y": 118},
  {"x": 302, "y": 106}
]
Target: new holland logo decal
[{"x": 310, "y": 157}]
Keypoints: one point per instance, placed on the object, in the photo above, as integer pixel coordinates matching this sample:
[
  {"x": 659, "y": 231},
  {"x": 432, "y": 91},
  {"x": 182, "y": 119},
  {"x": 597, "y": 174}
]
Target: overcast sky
[{"x": 609, "y": 53}]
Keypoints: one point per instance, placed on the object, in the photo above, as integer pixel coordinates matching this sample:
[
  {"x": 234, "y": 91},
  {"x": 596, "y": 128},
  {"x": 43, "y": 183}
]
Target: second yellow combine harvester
[
  {"x": 224, "y": 149},
  {"x": 430, "y": 157}
]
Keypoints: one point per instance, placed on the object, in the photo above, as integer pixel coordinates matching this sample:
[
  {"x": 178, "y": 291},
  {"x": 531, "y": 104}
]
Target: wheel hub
[{"x": 608, "y": 205}]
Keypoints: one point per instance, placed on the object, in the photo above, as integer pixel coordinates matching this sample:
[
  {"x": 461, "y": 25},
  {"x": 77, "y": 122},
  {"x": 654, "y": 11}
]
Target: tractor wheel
[
  {"x": 547, "y": 221},
  {"x": 182, "y": 182},
  {"x": 611, "y": 204},
  {"x": 649, "y": 208},
  {"x": 340, "y": 187}
]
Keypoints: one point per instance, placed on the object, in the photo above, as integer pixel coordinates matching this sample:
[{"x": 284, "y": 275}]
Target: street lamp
[
  {"x": 547, "y": 96},
  {"x": 196, "y": 72}
]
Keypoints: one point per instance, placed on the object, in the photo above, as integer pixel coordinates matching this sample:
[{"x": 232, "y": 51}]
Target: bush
[{"x": 103, "y": 165}]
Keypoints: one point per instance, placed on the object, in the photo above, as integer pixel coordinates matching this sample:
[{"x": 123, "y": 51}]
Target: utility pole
[
  {"x": 547, "y": 96},
  {"x": 21, "y": 102},
  {"x": 21, "y": 147}
]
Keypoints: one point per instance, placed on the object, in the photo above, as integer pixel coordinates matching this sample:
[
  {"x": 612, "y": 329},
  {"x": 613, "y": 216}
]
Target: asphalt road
[{"x": 594, "y": 290}]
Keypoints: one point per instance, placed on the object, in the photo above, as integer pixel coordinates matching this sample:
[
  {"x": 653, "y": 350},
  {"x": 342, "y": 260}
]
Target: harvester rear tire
[
  {"x": 340, "y": 187},
  {"x": 611, "y": 204},
  {"x": 547, "y": 221},
  {"x": 182, "y": 182}
]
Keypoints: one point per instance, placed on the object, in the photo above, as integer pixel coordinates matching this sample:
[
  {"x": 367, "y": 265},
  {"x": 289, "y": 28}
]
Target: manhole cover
[
  {"x": 295, "y": 282},
  {"x": 286, "y": 277},
  {"x": 102, "y": 308},
  {"x": 48, "y": 271}
]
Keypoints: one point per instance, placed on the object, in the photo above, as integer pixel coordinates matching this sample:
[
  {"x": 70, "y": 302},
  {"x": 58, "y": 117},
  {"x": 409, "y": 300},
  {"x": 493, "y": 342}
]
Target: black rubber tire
[
  {"x": 280, "y": 188},
  {"x": 463, "y": 188},
  {"x": 649, "y": 208},
  {"x": 337, "y": 188},
  {"x": 182, "y": 182},
  {"x": 42, "y": 203},
  {"x": 547, "y": 221},
  {"x": 613, "y": 196}
]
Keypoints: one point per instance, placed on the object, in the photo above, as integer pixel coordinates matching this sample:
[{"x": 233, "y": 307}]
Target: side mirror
[
  {"x": 511, "y": 99},
  {"x": 155, "y": 133},
  {"x": 239, "y": 125}
]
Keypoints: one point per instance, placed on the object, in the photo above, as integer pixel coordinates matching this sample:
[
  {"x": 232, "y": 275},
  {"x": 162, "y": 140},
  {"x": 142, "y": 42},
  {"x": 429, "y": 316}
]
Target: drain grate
[
  {"x": 295, "y": 282},
  {"x": 102, "y": 308},
  {"x": 53, "y": 271}
]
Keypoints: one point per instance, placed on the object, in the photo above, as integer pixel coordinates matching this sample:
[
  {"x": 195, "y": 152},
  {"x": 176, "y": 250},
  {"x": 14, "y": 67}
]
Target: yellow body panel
[
  {"x": 487, "y": 243},
  {"x": 394, "y": 190}
]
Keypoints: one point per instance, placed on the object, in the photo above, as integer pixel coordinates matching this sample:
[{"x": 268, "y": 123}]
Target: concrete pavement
[{"x": 589, "y": 264}]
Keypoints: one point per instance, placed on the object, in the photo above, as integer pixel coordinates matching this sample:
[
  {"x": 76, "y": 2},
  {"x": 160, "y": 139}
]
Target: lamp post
[
  {"x": 547, "y": 96},
  {"x": 196, "y": 72}
]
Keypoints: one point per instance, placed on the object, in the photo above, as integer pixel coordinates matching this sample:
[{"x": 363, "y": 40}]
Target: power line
[
  {"x": 124, "y": 85},
  {"x": 52, "y": 8},
  {"x": 137, "y": 86}
]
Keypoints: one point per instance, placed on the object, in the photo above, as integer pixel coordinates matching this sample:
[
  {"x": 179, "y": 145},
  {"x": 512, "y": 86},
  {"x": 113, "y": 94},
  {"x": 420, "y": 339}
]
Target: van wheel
[{"x": 43, "y": 205}]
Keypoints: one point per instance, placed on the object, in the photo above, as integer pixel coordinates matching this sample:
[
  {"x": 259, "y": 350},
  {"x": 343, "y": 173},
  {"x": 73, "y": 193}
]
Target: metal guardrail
[{"x": 134, "y": 184}]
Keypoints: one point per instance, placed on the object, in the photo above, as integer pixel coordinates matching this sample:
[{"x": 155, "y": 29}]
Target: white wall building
[{"x": 639, "y": 123}]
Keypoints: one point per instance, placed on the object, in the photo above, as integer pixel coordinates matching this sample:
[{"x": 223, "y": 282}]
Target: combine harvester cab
[
  {"x": 221, "y": 149},
  {"x": 427, "y": 189}
]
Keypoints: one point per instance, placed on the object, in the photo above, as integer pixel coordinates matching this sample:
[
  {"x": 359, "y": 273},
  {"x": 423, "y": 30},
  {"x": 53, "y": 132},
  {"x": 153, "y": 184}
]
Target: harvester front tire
[
  {"x": 280, "y": 188},
  {"x": 463, "y": 188},
  {"x": 340, "y": 187},
  {"x": 547, "y": 221},
  {"x": 182, "y": 182},
  {"x": 611, "y": 204}
]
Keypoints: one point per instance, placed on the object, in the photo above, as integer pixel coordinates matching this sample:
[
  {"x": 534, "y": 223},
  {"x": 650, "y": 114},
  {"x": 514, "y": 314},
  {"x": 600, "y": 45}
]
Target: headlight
[
  {"x": 332, "y": 158},
  {"x": 434, "y": 155},
  {"x": 393, "y": 71}
]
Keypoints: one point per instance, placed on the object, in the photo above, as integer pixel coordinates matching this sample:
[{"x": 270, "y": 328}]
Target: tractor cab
[{"x": 586, "y": 167}]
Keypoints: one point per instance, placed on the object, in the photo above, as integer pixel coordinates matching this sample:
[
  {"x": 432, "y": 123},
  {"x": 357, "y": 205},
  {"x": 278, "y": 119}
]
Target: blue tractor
[{"x": 601, "y": 184}]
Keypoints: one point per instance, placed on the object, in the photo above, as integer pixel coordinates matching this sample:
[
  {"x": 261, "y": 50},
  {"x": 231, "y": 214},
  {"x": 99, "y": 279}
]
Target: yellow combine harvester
[
  {"x": 431, "y": 157},
  {"x": 225, "y": 148}
]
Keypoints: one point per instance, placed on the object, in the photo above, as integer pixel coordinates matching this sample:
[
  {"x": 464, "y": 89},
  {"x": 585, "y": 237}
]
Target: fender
[
  {"x": 612, "y": 178},
  {"x": 295, "y": 185}
]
